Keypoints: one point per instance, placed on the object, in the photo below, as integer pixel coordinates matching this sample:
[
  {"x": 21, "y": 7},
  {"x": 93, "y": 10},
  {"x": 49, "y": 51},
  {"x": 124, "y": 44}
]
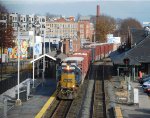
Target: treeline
[{"x": 118, "y": 27}]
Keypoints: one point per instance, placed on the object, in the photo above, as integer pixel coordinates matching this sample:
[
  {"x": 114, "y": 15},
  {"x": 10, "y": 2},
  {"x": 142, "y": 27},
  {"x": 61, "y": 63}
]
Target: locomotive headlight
[
  {"x": 68, "y": 67},
  {"x": 73, "y": 86}
]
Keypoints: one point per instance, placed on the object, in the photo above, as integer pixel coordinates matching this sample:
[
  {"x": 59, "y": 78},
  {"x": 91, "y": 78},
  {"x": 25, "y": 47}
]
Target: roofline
[{"x": 42, "y": 57}]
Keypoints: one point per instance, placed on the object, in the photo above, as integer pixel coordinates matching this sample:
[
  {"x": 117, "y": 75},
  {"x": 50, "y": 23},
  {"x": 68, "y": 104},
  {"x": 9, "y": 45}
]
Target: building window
[
  {"x": 10, "y": 17},
  {"x": 43, "y": 20},
  {"x": 27, "y": 19},
  {"x": 43, "y": 26},
  {"x": 42, "y": 32},
  {"x": 81, "y": 26}
]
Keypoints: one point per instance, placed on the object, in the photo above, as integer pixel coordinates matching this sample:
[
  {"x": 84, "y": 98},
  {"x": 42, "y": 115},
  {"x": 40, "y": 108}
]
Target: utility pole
[
  {"x": 43, "y": 56},
  {"x": 18, "y": 101},
  {"x": 33, "y": 54}
]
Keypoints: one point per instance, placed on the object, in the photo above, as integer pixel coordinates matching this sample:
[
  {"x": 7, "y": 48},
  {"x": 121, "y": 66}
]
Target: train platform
[
  {"x": 116, "y": 87},
  {"x": 31, "y": 107}
]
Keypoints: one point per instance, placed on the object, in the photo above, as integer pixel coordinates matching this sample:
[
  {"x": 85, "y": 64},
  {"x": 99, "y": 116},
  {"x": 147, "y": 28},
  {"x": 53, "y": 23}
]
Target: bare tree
[
  {"x": 104, "y": 25},
  {"x": 6, "y": 30},
  {"x": 125, "y": 25}
]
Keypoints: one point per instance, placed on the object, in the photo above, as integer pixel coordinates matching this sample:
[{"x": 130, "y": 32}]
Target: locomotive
[{"x": 73, "y": 69}]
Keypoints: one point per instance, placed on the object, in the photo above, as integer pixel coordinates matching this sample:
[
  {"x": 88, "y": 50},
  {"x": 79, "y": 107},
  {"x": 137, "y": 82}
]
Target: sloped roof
[
  {"x": 42, "y": 57},
  {"x": 52, "y": 55},
  {"x": 137, "y": 35},
  {"x": 141, "y": 52},
  {"x": 118, "y": 58}
]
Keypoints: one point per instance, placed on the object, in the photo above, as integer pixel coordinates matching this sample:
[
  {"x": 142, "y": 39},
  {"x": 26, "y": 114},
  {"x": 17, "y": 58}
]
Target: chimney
[
  {"x": 97, "y": 21},
  {"x": 98, "y": 11}
]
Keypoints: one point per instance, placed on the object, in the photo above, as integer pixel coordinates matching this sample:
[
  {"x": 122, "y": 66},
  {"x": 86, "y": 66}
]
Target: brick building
[
  {"x": 85, "y": 28},
  {"x": 70, "y": 46},
  {"x": 62, "y": 27}
]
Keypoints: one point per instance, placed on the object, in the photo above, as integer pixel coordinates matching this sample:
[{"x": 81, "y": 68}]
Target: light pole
[
  {"x": 43, "y": 56},
  {"x": 18, "y": 101},
  {"x": 33, "y": 54}
]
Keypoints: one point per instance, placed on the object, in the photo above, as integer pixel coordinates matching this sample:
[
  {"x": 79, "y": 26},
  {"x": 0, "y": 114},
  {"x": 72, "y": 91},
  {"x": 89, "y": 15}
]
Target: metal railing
[
  {"x": 7, "y": 104},
  {"x": 12, "y": 80}
]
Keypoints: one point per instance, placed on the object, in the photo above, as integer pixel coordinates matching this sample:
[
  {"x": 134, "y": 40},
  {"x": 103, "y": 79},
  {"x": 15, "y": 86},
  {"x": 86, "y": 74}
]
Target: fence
[
  {"x": 12, "y": 81},
  {"x": 11, "y": 67}
]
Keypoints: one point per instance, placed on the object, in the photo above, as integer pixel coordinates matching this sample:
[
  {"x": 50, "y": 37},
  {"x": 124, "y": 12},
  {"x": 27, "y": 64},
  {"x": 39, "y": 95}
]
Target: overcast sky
[{"x": 138, "y": 9}]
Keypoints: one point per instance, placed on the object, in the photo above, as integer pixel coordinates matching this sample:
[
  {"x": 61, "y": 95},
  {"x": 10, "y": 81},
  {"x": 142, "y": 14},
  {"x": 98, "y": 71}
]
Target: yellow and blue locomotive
[{"x": 69, "y": 77}]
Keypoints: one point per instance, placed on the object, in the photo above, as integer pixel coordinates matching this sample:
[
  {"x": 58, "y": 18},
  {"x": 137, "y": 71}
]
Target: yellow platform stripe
[
  {"x": 118, "y": 112},
  {"x": 46, "y": 106}
]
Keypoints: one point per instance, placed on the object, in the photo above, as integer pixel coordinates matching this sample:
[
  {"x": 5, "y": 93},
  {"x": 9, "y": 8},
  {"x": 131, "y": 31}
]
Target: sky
[{"x": 138, "y": 9}]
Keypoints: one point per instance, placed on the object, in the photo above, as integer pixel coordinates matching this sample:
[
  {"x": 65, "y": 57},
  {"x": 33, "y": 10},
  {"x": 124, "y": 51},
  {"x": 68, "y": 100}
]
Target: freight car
[{"x": 73, "y": 69}]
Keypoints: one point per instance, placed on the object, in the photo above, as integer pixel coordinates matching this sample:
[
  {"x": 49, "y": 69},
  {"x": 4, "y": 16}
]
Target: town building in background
[
  {"x": 85, "y": 28},
  {"x": 62, "y": 27},
  {"x": 53, "y": 31}
]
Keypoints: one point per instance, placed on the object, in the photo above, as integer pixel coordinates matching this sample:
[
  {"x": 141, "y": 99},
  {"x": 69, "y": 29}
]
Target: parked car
[
  {"x": 147, "y": 91},
  {"x": 144, "y": 79},
  {"x": 146, "y": 85}
]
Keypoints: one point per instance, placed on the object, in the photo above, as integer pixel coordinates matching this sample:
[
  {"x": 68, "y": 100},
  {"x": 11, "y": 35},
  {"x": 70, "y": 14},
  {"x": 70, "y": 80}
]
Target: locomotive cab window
[{"x": 68, "y": 71}]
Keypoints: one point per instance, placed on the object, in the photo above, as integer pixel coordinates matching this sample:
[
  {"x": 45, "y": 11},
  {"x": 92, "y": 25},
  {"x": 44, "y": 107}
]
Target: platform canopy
[
  {"x": 52, "y": 55},
  {"x": 42, "y": 57}
]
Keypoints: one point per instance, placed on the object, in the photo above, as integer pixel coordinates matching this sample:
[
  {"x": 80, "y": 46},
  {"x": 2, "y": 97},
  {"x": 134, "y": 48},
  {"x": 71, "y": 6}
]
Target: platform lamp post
[
  {"x": 43, "y": 77},
  {"x": 18, "y": 101}
]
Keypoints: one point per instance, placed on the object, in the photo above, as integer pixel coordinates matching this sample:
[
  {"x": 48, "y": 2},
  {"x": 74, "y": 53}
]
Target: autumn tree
[
  {"x": 6, "y": 30},
  {"x": 104, "y": 25},
  {"x": 125, "y": 25}
]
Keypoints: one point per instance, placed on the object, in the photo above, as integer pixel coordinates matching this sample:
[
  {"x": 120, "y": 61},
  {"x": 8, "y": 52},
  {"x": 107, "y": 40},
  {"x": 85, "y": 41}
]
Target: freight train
[{"x": 73, "y": 69}]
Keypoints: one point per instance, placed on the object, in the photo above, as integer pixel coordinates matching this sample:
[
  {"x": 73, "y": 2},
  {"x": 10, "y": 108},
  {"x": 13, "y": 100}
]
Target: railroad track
[
  {"x": 61, "y": 109},
  {"x": 74, "y": 107},
  {"x": 79, "y": 106},
  {"x": 99, "y": 104}
]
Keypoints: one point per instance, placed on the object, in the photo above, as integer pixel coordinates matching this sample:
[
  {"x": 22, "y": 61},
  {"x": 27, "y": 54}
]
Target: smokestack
[
  {"x": 98, "y": 10},
  {"x": 97, "y": 21}
]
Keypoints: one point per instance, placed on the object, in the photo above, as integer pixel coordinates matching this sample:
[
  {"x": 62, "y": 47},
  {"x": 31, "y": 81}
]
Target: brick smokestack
[
  {"x": 98, "y": 10},
  {"x": 97, "y": 22}
]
